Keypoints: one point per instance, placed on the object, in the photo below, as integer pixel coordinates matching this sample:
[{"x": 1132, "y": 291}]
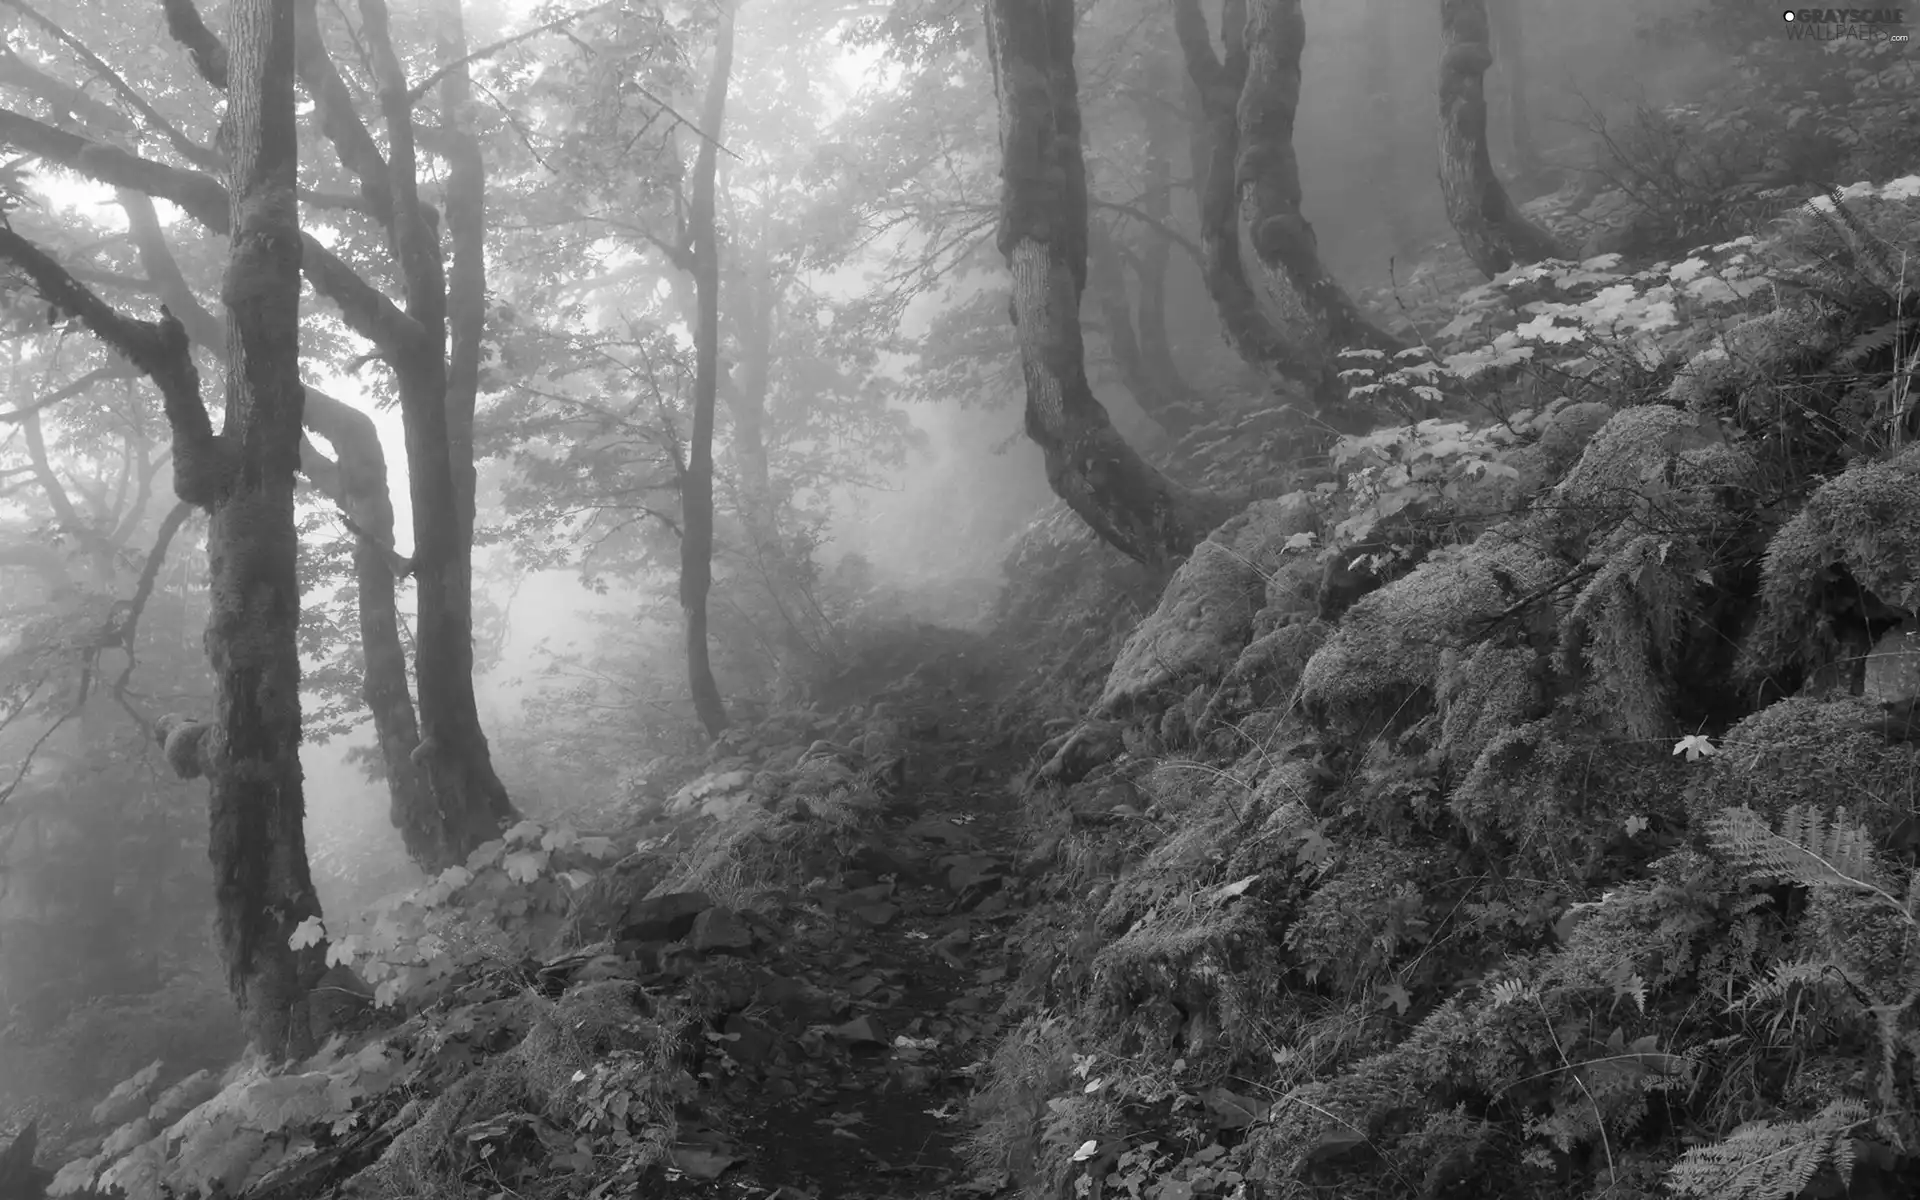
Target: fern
[
  {"x": 1771, "y": 1160},
  {"x": 1807, "y": 850},
  {"x": 1870, "y": 342}
]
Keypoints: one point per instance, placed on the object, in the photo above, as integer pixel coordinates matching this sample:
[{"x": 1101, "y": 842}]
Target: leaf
[
  {"x": 1238, "y": 887},
  {"x": 1695, "y": 746},
  {"x": 524, "y": 866},
  {"x": 1086, "y": 1151},
  {"x": 524, "y": 833},
  {"x": 1301, "y": 541},
  {"x": 1396, "y": 995},
  {"x": 310, "y": 932}
]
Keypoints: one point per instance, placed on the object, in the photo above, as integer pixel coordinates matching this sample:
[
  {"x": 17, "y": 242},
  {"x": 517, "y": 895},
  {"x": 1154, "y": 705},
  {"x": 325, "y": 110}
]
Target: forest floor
[{"x": 849, "y": 1072}]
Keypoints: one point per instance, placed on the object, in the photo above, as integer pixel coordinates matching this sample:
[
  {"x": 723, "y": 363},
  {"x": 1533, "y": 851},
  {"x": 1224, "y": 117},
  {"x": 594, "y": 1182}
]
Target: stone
[
  {"x": 719, "y": 930},
  {"x": 667, "y": 918}
]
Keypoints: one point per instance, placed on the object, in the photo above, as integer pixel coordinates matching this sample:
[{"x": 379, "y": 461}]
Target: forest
[{"x": 952, "y": 599}]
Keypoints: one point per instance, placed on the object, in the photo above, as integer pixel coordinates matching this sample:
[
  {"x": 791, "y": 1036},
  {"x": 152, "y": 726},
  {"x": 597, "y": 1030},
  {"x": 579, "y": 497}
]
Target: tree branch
[
  {"x": 366, "y": 309},
  {"x": 189, "y": 149},
  {"x": 68, "y": 391},
  {"x": 1191, "y": 247},
  {"x": 418, "y": 91},
  {"x": 160, "y": 349},
  {"x": 339, "y": 119},
  {"x": 204, "y": 46}
]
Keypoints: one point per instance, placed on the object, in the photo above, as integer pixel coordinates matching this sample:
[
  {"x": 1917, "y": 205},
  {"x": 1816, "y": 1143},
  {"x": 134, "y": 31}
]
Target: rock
[
  {"x": 719, "y": 930},
  {"x": 1893, "y": 665},
  {"x": 1206, "y": 613},
  {"x": 861, "y": 1031},
  {"x": 747, "y": 1040},
  {"x": 609, "y": 900},
  {"x": 1090, "y": 745},
  {"x": 667, "y": 918}
]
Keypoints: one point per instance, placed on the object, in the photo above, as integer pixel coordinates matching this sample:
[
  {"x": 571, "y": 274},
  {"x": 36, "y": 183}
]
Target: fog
[{"x": 872, "y": 459}]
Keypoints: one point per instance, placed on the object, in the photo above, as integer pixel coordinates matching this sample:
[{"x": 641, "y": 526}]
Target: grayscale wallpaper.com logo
[{"x": 1838, "y": 24}]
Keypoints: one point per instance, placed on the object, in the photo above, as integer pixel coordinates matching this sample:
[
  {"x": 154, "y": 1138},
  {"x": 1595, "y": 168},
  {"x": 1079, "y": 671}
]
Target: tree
[
  {"x": 1509, "y": 36},
  {"x": 462, "y": 802},
  {"x": 1043, "y": 237},
  {"x": 696, "y": 482},
  {"x": 1249, "y": 99},
  {"x": 1493, "y": 231},
  {"x": 244, "y": 478}
]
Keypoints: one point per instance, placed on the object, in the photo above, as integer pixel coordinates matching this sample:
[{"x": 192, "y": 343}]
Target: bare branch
[{"x": 209, "y": 54}]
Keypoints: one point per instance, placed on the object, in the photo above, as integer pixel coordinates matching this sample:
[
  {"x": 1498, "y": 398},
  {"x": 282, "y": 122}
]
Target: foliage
[{"x": 504, "y": 905}]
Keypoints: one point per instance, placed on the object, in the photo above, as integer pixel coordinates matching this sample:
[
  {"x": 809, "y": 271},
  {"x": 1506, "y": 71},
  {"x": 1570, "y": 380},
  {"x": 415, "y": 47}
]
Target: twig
[{"x": 418, "y": 91}]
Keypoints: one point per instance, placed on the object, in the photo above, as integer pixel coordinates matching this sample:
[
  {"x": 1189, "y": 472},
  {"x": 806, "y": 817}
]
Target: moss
[
  {"x": 1631, "y": 448},
  {"x": 1846, "y": 558},
  {"x": 1811, "y": 751},
  {"x": 1265, "y": 674},
  {"x": 1387, "y": 655},
  {"x": 1560, "y": 788},
  {"x": 1628, "y": 623},
  {"x": 1482, "y": 693}
]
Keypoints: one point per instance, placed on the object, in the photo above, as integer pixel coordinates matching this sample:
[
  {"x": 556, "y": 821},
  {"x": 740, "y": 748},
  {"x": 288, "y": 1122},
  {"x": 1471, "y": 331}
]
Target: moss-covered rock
[
  {"x": 1484, "y": 692},
  {"x": 1266, "y": 673},
  {"x": 1846, "y": 561},
  {"x": 1825, "y": 753},
  {"x": 1206, "y": 614},
  {"x": 1389, "y": 650},
  {"x": 1633, "y": 448}
]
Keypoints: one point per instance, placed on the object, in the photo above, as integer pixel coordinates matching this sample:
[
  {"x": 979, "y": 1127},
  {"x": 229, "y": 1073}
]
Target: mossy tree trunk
[
  {"x": 244, "y": 478},
  {"x": 355, "y": 479},
  {"x": 466, "y": 803},
  {"x": 252, "y": 754},
  {"x": 1043, "y": 235},
  {"x": 1267, "y": 175},
  {"x": 1250, "y": 200},
  {"x": 696, "y": 478},
  {"x": 1494, "y": 233},
  {"x": 1218, "y": 79}
]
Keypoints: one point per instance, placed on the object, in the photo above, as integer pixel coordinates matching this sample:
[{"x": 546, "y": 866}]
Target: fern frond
[
  {"x": 1784, "y": 978},
  {"x": 1807, "y": 850},
  {"x": 1870, "y": 342},
  {"x": 1770, "y": 1160}
]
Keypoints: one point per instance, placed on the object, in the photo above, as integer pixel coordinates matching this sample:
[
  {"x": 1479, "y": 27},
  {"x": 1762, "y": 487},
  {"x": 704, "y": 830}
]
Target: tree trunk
[
  {"x": 1215, "y": 146},
  {"x": 1267, "y": 176},
  {"x": 1510, "y": 44},
  {"x": 1494, "y": 233},
  {"x": 357, "y": 483},
  {"x": 252, "y": 753},
  {"x": 757, "y": 293},
  {"x": 1158, "y": 114},
  {"x": 469, "y": 803},
  {"x": 1043, "y": 235},
  {"x": 1107, "y": 278},
  {"x": 696, "y": 484}
]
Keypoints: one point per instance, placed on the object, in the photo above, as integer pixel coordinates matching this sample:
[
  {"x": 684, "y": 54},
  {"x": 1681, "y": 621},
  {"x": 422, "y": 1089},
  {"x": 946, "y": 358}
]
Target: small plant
[{"x": 507, "y": 902}]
